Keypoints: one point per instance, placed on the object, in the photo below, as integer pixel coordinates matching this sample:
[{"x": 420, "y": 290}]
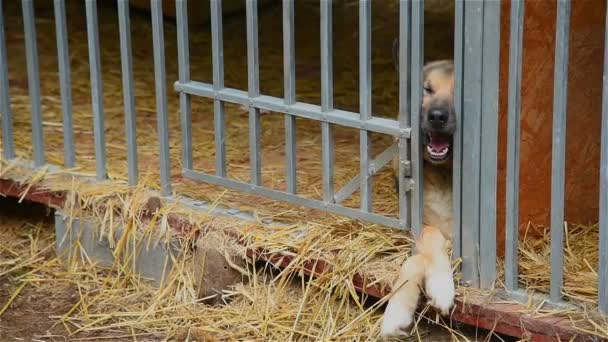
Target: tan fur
[{"x": 430, "y": 267}]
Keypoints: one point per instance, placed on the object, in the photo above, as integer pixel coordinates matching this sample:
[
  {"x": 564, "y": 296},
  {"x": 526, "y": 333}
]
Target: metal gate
[{"x": 476, "y": 57}]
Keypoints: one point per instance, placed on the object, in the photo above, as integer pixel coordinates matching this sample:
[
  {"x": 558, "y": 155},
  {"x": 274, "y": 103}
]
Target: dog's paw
[
  {"x": 396, "y": 319},
  {"x": 440, "y": 291}
]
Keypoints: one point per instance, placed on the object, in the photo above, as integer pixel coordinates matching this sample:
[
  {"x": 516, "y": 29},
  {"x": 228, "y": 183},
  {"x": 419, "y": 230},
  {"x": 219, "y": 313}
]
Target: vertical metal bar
[
  {"x": 33, "y": 77},
  {"x": 126, "y": 62},
  {"x": 513, "y": 142},
  {"x": 457, "y": 138},
  {"x": 96, "y": 90},
  {"x": 253, "y": 80},
  {"x": 417, "y": 51},
  {"x": 161, "y": 96},
  {"x": 8, "y": 147},
  {"x": 219, "y": 117},
  {"x": 185, "y": 103},
  {"x": 289, "y": 71},
  {"x": 327, "y": 99},
  {"x": 603, "y": 210},
  {"x": 404, "y": 110},
  {"x": 63, "y": 57},
  {"x": 489, "y": 145},
  {"x": 558, "y": 154},
  {"x": 365, "y": 100},
  {"x": 471, "y": 140}
]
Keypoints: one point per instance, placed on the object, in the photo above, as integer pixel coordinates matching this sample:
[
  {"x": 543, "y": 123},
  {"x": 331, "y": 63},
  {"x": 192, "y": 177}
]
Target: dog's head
[{"x": 437, "y": 117}]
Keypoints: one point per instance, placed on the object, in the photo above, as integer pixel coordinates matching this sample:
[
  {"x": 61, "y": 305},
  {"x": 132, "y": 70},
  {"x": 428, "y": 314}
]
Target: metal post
[
  {"x": 603, "y": 209},
  {"x": 558, "y": 154},
  {"x": 219, "y": 117},
  {"x": 253, "y": 72},
  {"x": 33, "y": 77},
  {"x": 161, "y": 96},
  {"x": 457, "y": 138},
  {"x": 405, "y": 168},
  {"x": 126, "y": 62},
  {"x": 63, "y": 58},
  {"x": 327, "y": 99},
  {"x": 417, "y": 51},
  {"x": 365, "y": 100},
  {"x": 8, "y": 147},
  {"x": 513, "y": 143},
  {"x": 289, "y": 71},
  {"x": 183, "y": 57}
]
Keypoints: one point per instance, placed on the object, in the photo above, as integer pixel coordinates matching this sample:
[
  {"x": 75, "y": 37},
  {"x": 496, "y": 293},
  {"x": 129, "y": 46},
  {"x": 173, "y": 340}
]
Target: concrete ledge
[{"x": 80, "y": 239}]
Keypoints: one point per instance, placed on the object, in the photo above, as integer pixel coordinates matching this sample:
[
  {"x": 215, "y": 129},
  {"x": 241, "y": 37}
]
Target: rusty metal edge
[{"x": 508, "y": 319}]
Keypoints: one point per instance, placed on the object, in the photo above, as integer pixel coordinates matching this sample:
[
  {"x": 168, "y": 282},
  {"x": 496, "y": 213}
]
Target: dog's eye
[{"x": 427, "y": 90}]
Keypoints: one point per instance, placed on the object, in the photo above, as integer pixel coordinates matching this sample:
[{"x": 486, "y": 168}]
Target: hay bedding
[{"x": 348, "y": 245}]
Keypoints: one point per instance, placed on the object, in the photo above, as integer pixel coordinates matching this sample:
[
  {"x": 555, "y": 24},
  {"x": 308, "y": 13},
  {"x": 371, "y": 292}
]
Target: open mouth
[{"x": 438, "y": 146}]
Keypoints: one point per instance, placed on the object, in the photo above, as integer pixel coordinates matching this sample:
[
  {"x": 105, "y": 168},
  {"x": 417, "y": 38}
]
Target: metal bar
[
  {"x": 33, "y": 78},
  {"x": 513, "y": 143},
  {"x": 365, "y": 100},
  {"x": 96, "y": 90},
  {"x": 457, "y": 137},
  {"x": 471, "y": 140},
  {"x": 558, "y": 154},
  {"x": 253, "y": 81},
  {"x": 8, "y": 146},
  {"x": 489, "y": 145},
  {"x": 417, "y": 62},
  {"x": 126, "y": 62},
  {"x": 289, "y": 71},
  {"x": 294, "y": 199},
  {"x": 63, "y": 58},
  {"x": 304, "y": 110},
  {"x": 383, "y": 158},
  {"x": 219, "y": 117},
  {"x": 327, "y": 99},
  {"x": 603, "y": 209},
  {"x": 405, "y": 167},
  {"x": 183, "y": 57},
  {"x": 161, "y": 96}
]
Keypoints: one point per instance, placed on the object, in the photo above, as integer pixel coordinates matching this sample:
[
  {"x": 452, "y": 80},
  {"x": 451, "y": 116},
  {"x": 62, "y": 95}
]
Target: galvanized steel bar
[
  {"x": 253, "y": 81},
  {"x": 558, "y": 154},
  {"x": 183, "y": 57},
  {"x": 513, "y": 143},
  {"x": 304, "y": 110},
  {"x": 63, "y": 58},
  {"x": 417, "y": 62},
  {"x": 294, "y": 199},
  {"x": 365, "y": 100},
  {"x": 33, "y": 78},
  {"x": 405, "y": 166},
  {"x": 8, "y": 146},
  {"x": 471, "y": 140},
  {"x": 161, "y": 96},
  {"x": 603, "y": 209},
  {"x": 289, "y": 72},
  {"x": 457, "y": 137},
  {"x": 489, "y": 144},
  {"x": 327, "y": 98},
  {"x": 126, "y": 63},
  {"x": 219, "y": 117},
  {"x": 96, "y": 90}
]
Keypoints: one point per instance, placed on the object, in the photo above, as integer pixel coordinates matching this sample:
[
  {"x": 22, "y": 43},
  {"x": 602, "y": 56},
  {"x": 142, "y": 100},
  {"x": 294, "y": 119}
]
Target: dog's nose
[{"x": 438, "y": 116}]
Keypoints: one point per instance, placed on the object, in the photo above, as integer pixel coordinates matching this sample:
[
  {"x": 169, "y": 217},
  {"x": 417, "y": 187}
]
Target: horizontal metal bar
[
  {"x": 8, "y": 146},
  {"x": 33, "y": 80},
  {"x": 63, "y": 58},
  {"x": 558, "y": 153},
  {"x": 294, "y": 199},
  {"x": 126, "y": 59},
  {"x": 304, "y": 110},
  {"x": 376, "y": 165},
  {"x": 513, "y": 142}
]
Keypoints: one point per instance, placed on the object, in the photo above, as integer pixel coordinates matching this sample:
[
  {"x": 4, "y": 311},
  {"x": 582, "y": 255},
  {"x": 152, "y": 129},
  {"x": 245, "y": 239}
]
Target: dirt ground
[{"x": 33, "y": 310}]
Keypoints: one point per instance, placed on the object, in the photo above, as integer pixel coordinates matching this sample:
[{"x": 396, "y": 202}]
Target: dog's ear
[{"x": 396, "y": 54}]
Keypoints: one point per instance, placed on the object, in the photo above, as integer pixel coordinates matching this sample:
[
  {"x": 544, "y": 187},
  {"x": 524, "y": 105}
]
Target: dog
[{"x": 430, "y": 266}]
